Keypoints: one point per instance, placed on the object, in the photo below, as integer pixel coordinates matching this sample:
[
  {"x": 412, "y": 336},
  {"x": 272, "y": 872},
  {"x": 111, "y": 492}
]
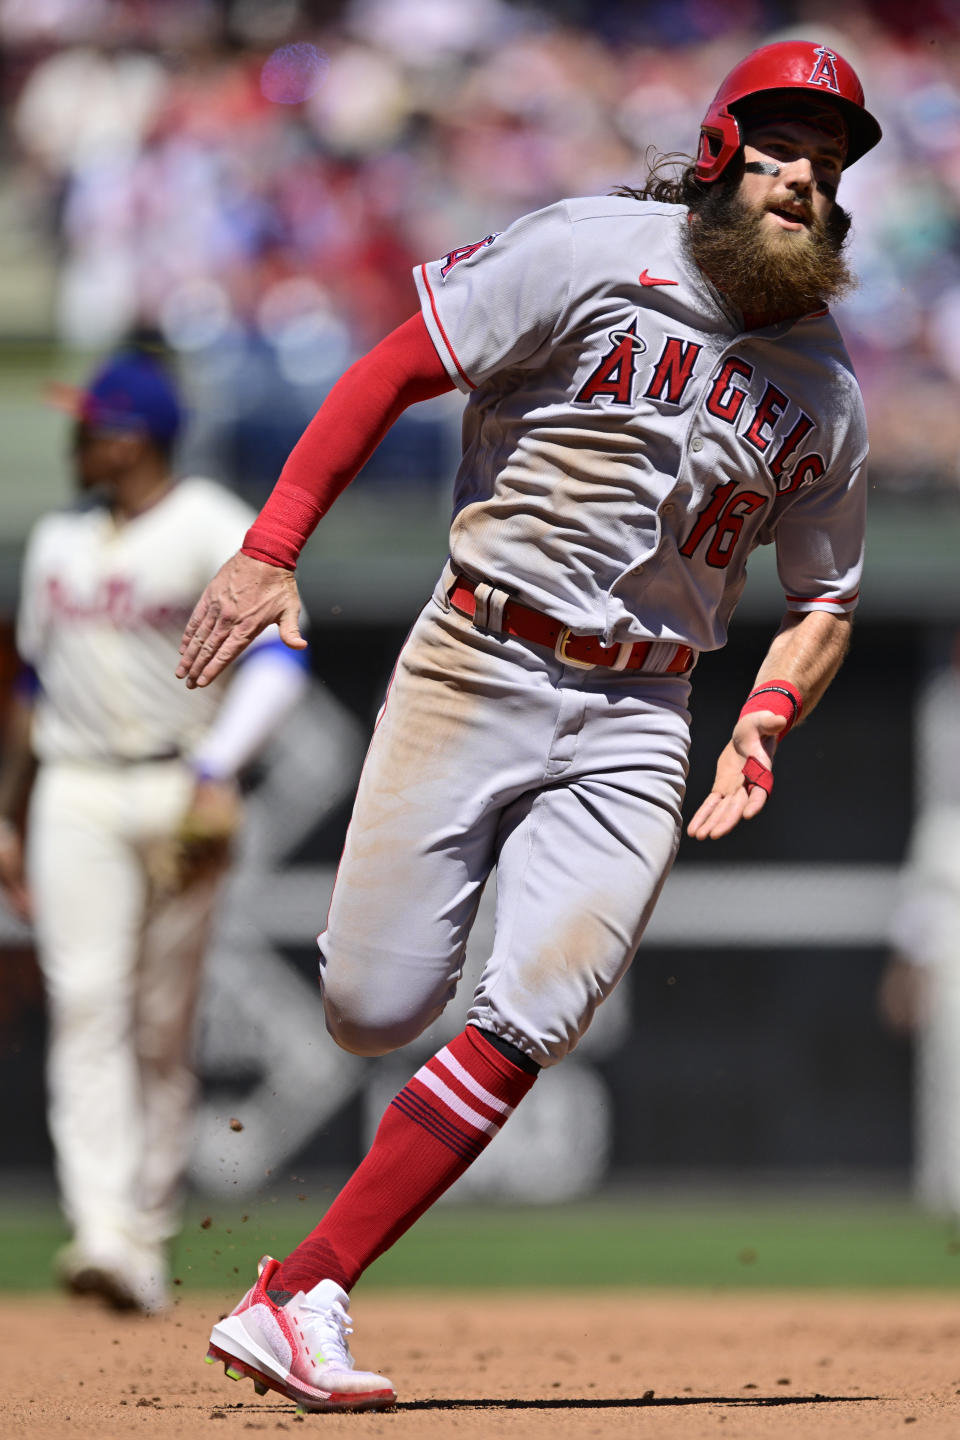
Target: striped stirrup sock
[{"x": 432, "y": 1131}]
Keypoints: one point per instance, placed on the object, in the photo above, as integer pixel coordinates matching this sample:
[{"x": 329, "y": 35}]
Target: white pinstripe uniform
[
  {"x": 627, "y": 444},
  {"x": 102, "y": 608}
]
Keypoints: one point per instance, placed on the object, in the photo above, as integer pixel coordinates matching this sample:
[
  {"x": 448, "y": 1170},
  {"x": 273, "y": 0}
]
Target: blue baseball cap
[{"x": 130, "y": 392}]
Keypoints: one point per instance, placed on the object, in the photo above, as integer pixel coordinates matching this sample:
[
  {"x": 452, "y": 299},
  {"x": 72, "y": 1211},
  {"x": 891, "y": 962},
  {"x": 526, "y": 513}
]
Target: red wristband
[
  {"x": 779, "y": 696},
  {"x": 280, "y": 530}
]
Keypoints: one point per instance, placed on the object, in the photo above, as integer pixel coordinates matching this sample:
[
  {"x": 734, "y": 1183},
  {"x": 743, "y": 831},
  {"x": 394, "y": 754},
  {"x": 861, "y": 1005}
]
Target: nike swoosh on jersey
[{"x": 647, "y": 279}]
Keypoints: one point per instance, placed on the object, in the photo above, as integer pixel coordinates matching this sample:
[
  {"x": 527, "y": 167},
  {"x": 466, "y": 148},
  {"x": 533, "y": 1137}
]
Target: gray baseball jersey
[{"x": 627, "y": 443}]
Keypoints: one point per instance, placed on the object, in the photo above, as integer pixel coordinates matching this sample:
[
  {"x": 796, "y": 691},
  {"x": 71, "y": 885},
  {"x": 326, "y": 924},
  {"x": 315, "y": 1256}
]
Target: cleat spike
[
  {"x": 209, "y": 1359},
  {"x": 232, "y": 1373},
  {"x": 259, "y": 1386}
]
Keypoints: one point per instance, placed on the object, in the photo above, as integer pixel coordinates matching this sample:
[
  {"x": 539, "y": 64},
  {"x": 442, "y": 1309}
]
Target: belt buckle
[
  {"x": 624, "y": 651},
  {"x": 560, "y": 650}
]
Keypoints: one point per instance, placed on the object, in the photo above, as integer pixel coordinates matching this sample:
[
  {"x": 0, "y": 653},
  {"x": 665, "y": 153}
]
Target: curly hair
[{"x": 671, "y": 180}]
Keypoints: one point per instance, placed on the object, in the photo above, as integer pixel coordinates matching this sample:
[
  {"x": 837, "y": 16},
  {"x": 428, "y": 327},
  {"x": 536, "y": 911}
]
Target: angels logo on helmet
[{"x": 825, "y": 70}]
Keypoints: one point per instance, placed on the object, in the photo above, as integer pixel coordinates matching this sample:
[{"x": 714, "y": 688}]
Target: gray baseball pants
[{"x": 491, "y": 752}]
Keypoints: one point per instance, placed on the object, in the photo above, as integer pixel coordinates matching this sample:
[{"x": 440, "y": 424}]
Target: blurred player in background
[
  {"x": 920, "y": 988},
  {"x": 132, "y": 807},
  {"x": 656, "y": 387}
]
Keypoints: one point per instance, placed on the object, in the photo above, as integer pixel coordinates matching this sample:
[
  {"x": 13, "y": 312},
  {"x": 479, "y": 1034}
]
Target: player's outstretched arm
[
  {"x": 243, "y": 598},
  {"x": 805, "y": 655},
  {"x": 257, "y": 587}
]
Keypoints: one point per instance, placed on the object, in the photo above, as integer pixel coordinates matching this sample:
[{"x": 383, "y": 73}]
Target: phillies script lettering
[{"x": 115, "y": 602}]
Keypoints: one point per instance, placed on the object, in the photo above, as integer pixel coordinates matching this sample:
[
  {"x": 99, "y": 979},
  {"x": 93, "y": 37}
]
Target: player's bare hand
[
  {"x": 243, "y": 598},
  {"x": 732, "y": 798},
  {"x": 13, "y": 881}
]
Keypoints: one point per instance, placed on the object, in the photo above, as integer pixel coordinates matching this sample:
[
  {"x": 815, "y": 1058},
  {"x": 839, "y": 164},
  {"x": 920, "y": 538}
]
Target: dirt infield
[{"x": 615, "y": 1363}]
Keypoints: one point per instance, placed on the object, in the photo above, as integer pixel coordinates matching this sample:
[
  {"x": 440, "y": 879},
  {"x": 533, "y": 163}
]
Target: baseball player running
[
  {"x": 654, "y": 387},
  {"x": 130, "y": 817}
]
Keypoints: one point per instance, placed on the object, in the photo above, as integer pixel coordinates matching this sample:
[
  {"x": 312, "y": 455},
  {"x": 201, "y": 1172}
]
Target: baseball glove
[{"x": 202, "y": 843}]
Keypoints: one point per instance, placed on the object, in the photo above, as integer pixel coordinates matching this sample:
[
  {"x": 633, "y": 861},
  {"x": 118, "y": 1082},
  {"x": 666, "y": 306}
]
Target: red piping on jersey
[
  {"x": 453, "y": 354},
  {"x": 404, "y": 368},
  {"x": 823, "y": 599}
]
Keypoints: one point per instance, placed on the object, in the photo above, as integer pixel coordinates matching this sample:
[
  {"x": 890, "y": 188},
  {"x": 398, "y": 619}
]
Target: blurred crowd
[{"x": 264, "y": 210}]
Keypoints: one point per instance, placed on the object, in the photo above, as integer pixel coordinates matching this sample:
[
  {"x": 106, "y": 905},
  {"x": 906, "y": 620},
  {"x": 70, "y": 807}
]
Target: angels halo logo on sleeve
[{"x": 463, "y": 252}]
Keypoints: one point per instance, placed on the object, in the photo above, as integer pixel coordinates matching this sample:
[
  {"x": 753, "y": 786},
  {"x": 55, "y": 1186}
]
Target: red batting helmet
[{"x": 788, "y": 67}]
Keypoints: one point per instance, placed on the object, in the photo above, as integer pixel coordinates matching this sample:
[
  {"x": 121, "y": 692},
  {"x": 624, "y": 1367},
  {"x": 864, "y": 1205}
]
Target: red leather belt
[{"x": 584, "y": 651}]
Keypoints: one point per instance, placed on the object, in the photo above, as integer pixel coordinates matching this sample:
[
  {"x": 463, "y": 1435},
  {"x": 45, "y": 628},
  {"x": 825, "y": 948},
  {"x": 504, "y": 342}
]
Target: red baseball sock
[{"x": 431, "y": 1132}]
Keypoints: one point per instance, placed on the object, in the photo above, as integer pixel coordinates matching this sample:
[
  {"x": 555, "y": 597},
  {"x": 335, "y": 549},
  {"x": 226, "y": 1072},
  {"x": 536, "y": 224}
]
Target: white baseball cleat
[{"x": 298, "y": 1349}]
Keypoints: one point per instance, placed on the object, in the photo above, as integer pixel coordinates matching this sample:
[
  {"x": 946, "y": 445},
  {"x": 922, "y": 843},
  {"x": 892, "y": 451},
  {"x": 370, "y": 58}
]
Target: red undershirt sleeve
[{"x": 344, "y": 433}]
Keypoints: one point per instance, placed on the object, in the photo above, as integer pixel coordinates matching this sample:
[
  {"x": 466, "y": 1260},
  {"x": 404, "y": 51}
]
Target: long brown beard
[{"x": 775, "y": 276}]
